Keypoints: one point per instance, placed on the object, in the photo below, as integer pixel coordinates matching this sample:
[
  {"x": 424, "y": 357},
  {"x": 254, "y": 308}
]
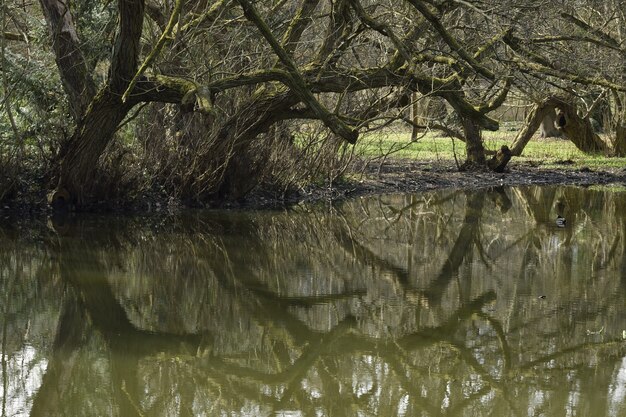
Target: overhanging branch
[
  {"x": 298, "y": 24},
  {"x": 588, "y": 28},
  {"x": 381, "y": 28},
  {"x": 295, "y": 80},
  {"x": 538, "y": 69},
  {"x": 450, "y": 40}
]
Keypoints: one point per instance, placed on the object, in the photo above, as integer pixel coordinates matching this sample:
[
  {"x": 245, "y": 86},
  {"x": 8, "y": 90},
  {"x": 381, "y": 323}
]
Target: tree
[
  {"x": 98, "y": 115},
  {"x": 298, "y": 75},
  {"x": 574, "y": 64},
  {"x": 209, "y": 93}
]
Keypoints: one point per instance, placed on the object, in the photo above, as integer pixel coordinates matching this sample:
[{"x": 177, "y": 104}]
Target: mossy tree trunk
[
  {"x": 99, "y": 115},
  {"x": 576, "y": 128},
  {"x": 580, "y": 131},
  {"x": 533, "y": 121},
  {"x": 475, "y": 150},
  {"x": 75, "y": 74},
  {"x": 85, "y": 147},
  {"x": 105, "y": 112}
]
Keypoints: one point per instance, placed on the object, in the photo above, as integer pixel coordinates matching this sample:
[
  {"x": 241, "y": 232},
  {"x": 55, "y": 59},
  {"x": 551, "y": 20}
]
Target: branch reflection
[{"x": 450, "y": 303}]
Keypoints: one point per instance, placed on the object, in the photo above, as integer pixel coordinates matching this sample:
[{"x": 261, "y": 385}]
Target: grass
[{"x": 549, "y": 153}]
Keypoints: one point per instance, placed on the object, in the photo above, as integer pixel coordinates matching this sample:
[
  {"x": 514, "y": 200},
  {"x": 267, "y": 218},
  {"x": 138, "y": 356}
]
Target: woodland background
[{"x": 205, "y": 101}]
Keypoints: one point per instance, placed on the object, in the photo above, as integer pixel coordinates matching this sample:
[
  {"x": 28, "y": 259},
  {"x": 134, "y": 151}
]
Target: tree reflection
[{"x": 452, "y": 303}]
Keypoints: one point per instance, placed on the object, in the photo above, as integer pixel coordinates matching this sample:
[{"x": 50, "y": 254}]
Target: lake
[{"x": 450, "y": 303}]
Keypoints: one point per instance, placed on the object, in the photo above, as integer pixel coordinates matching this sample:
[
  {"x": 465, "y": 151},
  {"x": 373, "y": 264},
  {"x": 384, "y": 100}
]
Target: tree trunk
[
  {"x": 498, "y": 162},
  {"x": 475, "y": 158},
  {"x": 534, "y": 119},
  {"x": 83, "y": 151},
  {"x": 619, "y": 145},
  {"x": 580, "y": 131},
  {"x": 577, "y": 129},
  {"x": 548, "y": 128},
  {"x": 415, "y": 131},
  {"x": 80, "y": 156},
  {"x": 71, "y": 63}
]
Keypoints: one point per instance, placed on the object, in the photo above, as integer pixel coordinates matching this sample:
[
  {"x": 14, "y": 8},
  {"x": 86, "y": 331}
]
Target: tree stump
[
  {"x": 59, "y": 199},
  {"x": 498, "y": 162}
]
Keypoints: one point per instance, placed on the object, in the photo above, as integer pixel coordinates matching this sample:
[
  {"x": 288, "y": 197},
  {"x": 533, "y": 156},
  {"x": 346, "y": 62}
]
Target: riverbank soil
[
  {"x": 407, "y": 176},
  {"x": 368, "y": 178}
]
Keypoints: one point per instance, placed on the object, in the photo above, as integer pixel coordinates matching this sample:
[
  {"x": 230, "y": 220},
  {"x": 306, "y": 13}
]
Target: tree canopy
[{"x": 208, "y": 98}]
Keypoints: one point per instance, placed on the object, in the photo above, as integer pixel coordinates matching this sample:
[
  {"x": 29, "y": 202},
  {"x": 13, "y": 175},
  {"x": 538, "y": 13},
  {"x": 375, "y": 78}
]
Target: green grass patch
[
  {"x": 549, "y": 153},
  {"x": 398, "y": 145}
]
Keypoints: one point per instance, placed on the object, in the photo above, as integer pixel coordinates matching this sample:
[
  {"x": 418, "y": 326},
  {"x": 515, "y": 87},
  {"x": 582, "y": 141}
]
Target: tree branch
[
  {"x": 536, "y": 70},
  {"x": 296, "y": 81},
  {"x": 381, "y": 28},
  {"x": 499, "y": 99},
  {"x": 298, "y": 24},
  {"x": 154, "y": 12},
  {"x": 127, "y": 45},
  {"x": 535, "y": 65},
  {"x": 450, "y": 40},
  {"x": 565, "y": 38},
  {"x": 165, "y": 36},
  {"x": 416, "y": 31},
  {"x": 71, "y": 63},
  {"x": 516, "y": 45},
  {"x": 10, "y": 36},
  {"x": 588, "y": 28},
  {"x": 336, "y": 35},
  {"x": 208, "y": 16}
]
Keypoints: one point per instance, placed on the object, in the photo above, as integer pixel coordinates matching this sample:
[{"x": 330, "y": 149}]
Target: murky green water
[{"x": 449, "y": 303}]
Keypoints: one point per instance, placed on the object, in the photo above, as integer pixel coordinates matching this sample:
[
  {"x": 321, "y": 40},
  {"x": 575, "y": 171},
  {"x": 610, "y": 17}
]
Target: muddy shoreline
[
  {"x": 395, "y": 176},
  {"x": 406, "y": 176}
]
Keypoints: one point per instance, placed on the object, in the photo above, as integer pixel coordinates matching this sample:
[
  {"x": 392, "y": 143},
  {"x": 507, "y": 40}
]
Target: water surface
[{"x": 439, "y": 304}]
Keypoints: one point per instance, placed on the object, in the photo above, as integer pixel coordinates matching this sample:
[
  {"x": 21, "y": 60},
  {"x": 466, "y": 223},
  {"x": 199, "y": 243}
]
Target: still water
[{"x": 439, "y": 304}]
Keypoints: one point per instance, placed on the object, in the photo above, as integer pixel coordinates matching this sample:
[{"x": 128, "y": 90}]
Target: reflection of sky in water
[
  {"x": 617, "y": 390},
  {"x": 403, "y": 406},
  {"x": 536, "y": 400},
  {"x": 362, "y": 381},
  {"x": 574, "y": 396},
  {"x": 24, "y": 374},
  {"x": 286, "y": 413}
]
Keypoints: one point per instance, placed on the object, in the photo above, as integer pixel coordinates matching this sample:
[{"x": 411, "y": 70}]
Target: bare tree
[
  {"x": 295, "y": 74},
  {"x": 229, "y": 77}
]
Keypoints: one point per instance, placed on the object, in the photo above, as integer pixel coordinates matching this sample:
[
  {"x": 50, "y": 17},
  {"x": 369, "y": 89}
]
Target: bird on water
[{"x": 560, "y": 221}]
